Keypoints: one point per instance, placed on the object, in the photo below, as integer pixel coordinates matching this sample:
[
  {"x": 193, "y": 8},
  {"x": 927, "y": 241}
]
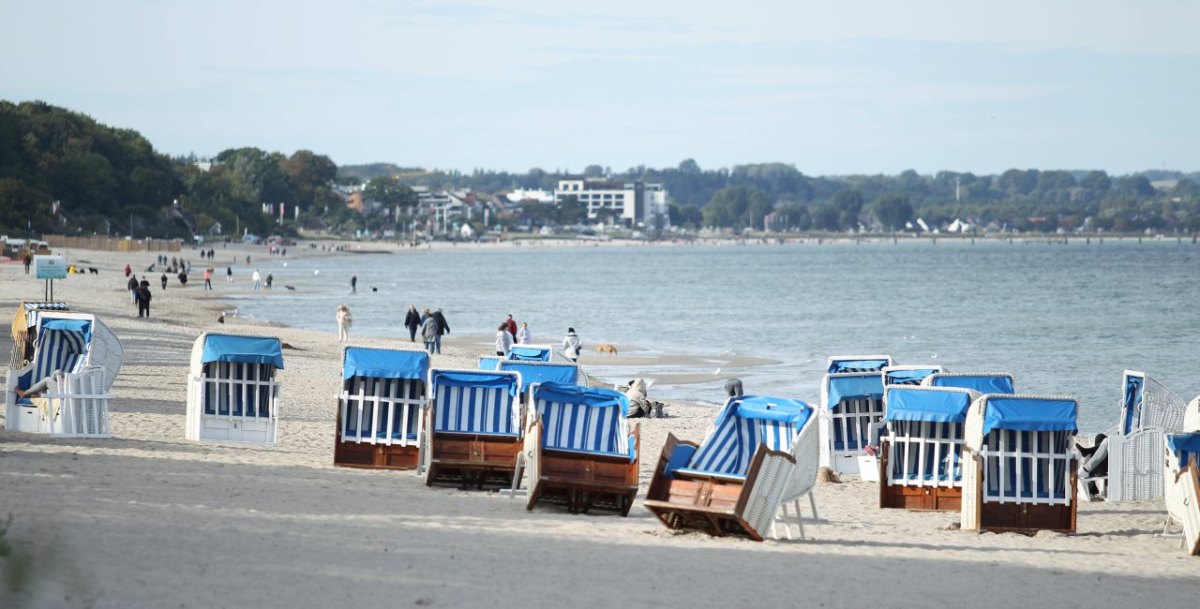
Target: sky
[{"x": 832, "y": 87}]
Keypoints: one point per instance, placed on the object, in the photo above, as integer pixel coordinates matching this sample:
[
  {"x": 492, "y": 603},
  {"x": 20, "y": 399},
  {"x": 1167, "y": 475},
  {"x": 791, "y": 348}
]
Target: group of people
[
  {"x": 139, "y": 294},
  {"x": 431, "y": 324},
  {"x": 508, "y": 335}
]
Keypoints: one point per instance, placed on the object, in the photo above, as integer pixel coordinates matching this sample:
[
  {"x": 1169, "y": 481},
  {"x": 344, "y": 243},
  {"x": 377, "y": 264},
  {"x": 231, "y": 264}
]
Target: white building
[{"x": 638, "y": 202}]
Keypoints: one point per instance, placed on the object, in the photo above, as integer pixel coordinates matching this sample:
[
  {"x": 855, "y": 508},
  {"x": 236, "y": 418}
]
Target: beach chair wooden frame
[
  {"x": 853, "y": 418},
  {"x": 23, "y": 340},
  {"x": 920, "y": 463},
  {"x": 594, "y": 469},
  {"x": 76, "y": 359},
  {"x": 724, "y": 504},
  {"x": 233, "y": 394},
  {"x": 469, "y": 451},
  {"x": 1016, "y": 479},
  {"x": 380, "y": 408}
]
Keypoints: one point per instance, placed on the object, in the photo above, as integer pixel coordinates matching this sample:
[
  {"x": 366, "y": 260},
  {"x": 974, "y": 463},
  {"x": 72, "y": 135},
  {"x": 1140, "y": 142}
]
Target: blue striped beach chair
[
  {"x": 580, "y": 451},
  {"x": 379, "y": 408},
  {"x": 735, "y": 481},
  {"x": 908, "y": 375},
  {"x": 75, "y": 361},
  {"x": 1019, "y": 464},
  {"x": 1181, "y": 470},
  {"x": 921, "y": 454},
  {"x": 233, "y": 394},
  {"x": 852, "y": 396},
  {"x": 475, "y": 427}
]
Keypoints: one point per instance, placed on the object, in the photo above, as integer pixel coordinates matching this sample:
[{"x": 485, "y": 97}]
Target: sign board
[{"x": 50, "y": 267}]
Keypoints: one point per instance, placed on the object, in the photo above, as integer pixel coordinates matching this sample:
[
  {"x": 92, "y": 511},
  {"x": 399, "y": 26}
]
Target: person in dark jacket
[
  {"x": 412, "y": 321},
  {"x": 164, "y": 281},
  {"x": 132, "y": 286},
  {"x": 443, "y": 328},
  {"x": 143, "y": 300}
]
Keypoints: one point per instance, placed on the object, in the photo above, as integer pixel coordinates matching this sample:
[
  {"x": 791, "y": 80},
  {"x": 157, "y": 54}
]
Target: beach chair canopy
[
  {"x": 28, "y": 313},
  {"x": 61, "y": 345},
  {"x": 583, "y": 419},
  {"x": 983, "y": 382},
  {"x": 908, "y": 375},
  {"x": 229, "y": 348},
  {"x": 385, "y": 364},
  {"x": 475, "y": 401},
  {"x": 1184, "y": 446},
  {"x": 533, "y": 373},
  {"x": 743, "y": 424},
  {"x": 1030, "y": 414},
  {"x": 529, "y": 353},
  {"x": 848, "y": 386},
  {"x": 927, "y": 405},
  {"x": 489, "y": 362},
  {"x": 858, "y": 363}
]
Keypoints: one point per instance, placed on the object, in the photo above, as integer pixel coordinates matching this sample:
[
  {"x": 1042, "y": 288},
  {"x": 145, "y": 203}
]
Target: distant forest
[{"x": 62, "y": 172}]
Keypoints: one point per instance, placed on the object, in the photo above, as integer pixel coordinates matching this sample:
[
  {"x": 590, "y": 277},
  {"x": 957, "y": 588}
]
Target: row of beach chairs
[{"x": 935, "y": 440}]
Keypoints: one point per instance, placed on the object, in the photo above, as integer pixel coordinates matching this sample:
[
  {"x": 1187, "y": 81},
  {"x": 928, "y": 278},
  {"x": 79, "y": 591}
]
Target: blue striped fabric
[
  {"x": 475, "y": 410},
  {"x": 56, "y": 350},
  {"x": 583, "y": 427},
  {"x": 729, "y": 449}
]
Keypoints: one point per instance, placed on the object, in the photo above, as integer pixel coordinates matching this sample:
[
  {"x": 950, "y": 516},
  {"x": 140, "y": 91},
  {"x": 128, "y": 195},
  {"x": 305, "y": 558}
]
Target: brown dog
[{"x": 606, "y": 348}]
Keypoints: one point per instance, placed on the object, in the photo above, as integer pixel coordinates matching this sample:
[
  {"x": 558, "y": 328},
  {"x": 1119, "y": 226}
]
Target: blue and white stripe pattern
[
  {"x": 56, "y": 350},
  {"x": 582, "y": 419},
  {"x": 731, "y": 445},
  {"x": 488, "y": 407}
]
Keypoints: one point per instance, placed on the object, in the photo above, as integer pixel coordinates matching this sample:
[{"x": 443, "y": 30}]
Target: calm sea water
[{"x": 1065, "y": 319}]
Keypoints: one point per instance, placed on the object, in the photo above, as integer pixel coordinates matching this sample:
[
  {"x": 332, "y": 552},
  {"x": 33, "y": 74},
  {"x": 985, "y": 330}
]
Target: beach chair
[
  {"x": 1181, "y": 472},
  {"x": 475, "y": 427},
  {"x": 379, "y": 408},
  {"x": 981, "y": 382},
  {"x": 1148, "y": 412},
  {"x": 852, "y": 396},
  {"x": 579, "y": 450},
  {"x": 530, "y": 353},
  {"x": 921, "y": 454},
  {"x": 734, "y": 482},
  {"x": 232, "y": 391},
  {"x": 76, "y": 359},
  {"x": 24, "y": 330},
  {"x": 1019, "y": 464},
  {"x": 908, "y": 375}
]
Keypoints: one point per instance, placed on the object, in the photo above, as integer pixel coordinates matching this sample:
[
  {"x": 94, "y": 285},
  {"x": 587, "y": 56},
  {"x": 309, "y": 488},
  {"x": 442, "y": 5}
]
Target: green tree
[{"x": 893, "y": 210}]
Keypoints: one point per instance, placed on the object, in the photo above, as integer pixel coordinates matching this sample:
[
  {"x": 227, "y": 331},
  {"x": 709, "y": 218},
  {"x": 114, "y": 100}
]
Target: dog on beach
[
  {"x": 93, "y": 270},
  {"x": 606, "y": 348}
]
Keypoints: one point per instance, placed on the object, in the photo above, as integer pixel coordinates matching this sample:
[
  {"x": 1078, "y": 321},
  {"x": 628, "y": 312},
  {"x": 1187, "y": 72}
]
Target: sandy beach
[{"x": 148, "y": 519}]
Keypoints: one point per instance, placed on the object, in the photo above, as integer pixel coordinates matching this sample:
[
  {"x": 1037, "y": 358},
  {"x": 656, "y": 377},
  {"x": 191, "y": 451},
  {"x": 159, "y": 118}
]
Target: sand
[{"x": 148, "y": 519}]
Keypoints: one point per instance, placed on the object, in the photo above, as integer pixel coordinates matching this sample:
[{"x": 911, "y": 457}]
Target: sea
[{"x": 1065, "y": 318}]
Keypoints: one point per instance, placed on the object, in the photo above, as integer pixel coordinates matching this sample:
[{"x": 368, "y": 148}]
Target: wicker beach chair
[
  {"x": 733, "y": 482},
  {"x": 76, "y": 359},
  {"x": 474, "y": 432},
  {"x": 852, "y": 396},
  {"x": 379, "y": 408},
  {"x": 1019, "y": 464},
  {"x": 921, "y": 455},
  {"x": 981, "y": 382},
  {"x": 232, "y": 391},
  {"x": 579, "y": 450},
  {"x": 1148, "y": 412},
  {"x": 1181, "y": 472},
  {"x": 908, "y": 375}
]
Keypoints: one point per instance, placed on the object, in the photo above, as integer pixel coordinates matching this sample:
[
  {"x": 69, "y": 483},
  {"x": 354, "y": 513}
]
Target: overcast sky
[{"x": 833, "y": 87}]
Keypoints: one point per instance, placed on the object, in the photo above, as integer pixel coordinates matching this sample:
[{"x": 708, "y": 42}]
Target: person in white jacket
[
  {"x": 572, "y": 345},
  {"x": 524, "y": 336},
  {"x": 503, "y": 340}
]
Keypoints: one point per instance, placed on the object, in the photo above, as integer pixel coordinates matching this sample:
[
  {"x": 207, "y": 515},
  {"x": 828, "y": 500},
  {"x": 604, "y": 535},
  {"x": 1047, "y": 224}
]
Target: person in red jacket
[{"x": 512, "y": 327}]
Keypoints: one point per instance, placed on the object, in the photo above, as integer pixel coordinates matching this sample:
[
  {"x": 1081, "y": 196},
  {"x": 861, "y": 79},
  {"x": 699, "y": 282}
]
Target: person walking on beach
[
  {"x": 163, "y": 280},
  {"x": 503, "y": 340},
  {"x": 208, "y": 278},
  {"x": 524, "y": 336},
  {"x": 572, "y": 345},
  {"x": 128, "y": 270},
  {"x": 182, "y": 277},
  {"x": 132, "y": 286},
  {"x": 270, "y": 280},
  {"x": 429, "y": 331},
  {"x": 257, "y": 279},
  {"x": 354, "y": 284},
  {"x": 228, "y": 274},
  {"x": 343, "y": 321},
  {"x": 412, "y": 321},
  {"x": 28, "y": 261},
  {"x": 512, "y": 327},
  {"x": 143, "y": 300},
  {"x": 443, "y": 328}
]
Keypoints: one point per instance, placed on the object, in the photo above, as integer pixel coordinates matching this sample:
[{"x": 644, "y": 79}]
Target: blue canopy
[
  {"x": 1030, "y": 414},
  {"x": 851, "y": 386},
  {"x": 537, "y": 372},
  {"x": 768, "y": 408},
  {"x": 917, "y": 404},
  {"x": 81, "y": 326},
  {"x": 983, "y": 383},
  {"x": 1184, "y": 445},
  {"x": 528, "y": 353},
  {"x": 858, "y": 365},
  {"x": 242, "y": 350},
  {"x": 385, "y": 364},
  {"x": 489, "y": 362},
  {"x": 907, "y": 376},
  {"x": 471, "y": 378},
  {"x": 574, "y": 394}
]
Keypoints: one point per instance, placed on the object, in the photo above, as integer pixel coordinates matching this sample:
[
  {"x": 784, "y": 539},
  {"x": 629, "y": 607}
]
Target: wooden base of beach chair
[
  {"x": 585, "y": 482},
  {"x": 1027, "y": 518},
  {"x": 713, "y": 504},
  {"x": 374, "y": 456},
  {"x": 915, "y": 498},
  {"x": 472, "y": 460}
]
